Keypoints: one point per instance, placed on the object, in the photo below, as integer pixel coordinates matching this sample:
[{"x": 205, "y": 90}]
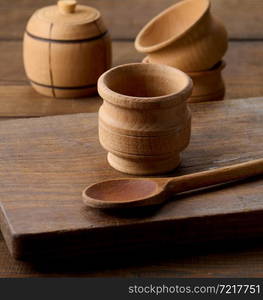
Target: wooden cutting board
[{"x": 46, "y": 162}]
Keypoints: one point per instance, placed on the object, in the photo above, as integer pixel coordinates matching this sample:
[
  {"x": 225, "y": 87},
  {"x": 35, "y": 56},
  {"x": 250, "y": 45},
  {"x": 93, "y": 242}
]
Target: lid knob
[{"x": 67, "y": 6}]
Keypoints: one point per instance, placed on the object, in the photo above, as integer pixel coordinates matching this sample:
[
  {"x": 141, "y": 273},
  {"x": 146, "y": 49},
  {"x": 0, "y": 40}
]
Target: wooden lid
[{"x": 66, "y": 21}]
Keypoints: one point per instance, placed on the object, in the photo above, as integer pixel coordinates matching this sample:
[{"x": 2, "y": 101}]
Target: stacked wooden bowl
[{"x": 188, "y": 37}]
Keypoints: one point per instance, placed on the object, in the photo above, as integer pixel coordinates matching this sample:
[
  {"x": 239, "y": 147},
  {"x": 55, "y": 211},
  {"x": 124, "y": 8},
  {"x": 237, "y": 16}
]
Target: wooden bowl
[
  {"x": 207, "y": 85},
  {"x": 185, "y": 36},
  {"x": 144, "y": 122},
  {"x": 66, "y": 49}
]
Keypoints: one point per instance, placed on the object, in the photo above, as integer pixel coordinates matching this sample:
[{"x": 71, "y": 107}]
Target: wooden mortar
[
  {"x": 186, "y": 36},
  {"x": 66, "y": 49},
  {"x": 144, "y": 122}
]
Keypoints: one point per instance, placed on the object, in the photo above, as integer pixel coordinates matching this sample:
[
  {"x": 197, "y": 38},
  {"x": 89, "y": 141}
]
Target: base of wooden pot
[
  {"x": 136, "y": 165},
  {"x": 63, "y": 92},
  {"x": 208, "y": 85},
  {"x": 212, "y": 97}
]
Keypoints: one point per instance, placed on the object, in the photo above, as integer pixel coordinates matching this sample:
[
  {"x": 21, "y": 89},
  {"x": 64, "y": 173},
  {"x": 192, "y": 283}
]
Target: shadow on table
[{"x": 217, "y": 259}]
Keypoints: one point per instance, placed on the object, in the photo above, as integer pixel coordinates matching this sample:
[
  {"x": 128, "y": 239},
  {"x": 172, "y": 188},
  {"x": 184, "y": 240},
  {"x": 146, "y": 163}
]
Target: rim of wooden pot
[{"x": 138, "y": 102}]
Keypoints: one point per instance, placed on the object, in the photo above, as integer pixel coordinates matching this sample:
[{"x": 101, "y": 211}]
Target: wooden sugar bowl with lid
[
  {"x": 144, "y": 121},
  {"x": 66, "y": 48}
]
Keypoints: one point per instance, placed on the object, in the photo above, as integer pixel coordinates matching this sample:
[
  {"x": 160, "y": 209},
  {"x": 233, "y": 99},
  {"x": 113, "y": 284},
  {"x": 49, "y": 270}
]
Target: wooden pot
[
  {"x": 66, "y": 49},
  {"x": 208, "y": 85},
  {"x": 185, "y": 36},
  {"x": 144, "y": 122}
]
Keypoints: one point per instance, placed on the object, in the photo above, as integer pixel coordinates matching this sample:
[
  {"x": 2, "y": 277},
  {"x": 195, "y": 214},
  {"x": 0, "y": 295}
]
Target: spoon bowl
[{"x": 123, "y": 192}]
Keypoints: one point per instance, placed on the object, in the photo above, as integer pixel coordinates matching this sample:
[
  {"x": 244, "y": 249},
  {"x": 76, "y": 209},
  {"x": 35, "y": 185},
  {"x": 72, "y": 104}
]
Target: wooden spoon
[{"x": 133, "y": 192}]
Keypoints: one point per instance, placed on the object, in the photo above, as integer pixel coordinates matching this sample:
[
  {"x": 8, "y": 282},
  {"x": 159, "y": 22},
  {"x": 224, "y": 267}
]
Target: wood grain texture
[
  {"x": 243, "y": 77},
  {"x": 243, "y": 18},
  {"x": 46, "y": 163}
]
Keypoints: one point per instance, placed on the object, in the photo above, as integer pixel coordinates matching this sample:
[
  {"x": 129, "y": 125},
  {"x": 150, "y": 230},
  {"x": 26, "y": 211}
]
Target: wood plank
[
  {"x": 125, "y": 18},
  {"x": 46, "y": 162},
  {"x": 243, "y": 58},
  {"x": 244, "y": 70},
  {"x": 23, "y": 101}
]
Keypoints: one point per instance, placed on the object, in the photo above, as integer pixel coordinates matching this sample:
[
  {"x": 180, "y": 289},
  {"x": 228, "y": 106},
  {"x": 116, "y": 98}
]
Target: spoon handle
[{"x": 216, "y": 176}]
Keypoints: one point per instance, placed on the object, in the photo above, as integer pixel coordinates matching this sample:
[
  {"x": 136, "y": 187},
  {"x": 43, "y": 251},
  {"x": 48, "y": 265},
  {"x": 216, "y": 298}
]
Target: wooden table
[{"x": 243, "y": 76}]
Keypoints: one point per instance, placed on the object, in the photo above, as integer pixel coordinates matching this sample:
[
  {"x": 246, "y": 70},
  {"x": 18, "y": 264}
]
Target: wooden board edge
[
  {"x": 9, "y": 236},
  {"x": 137, "y": 237}
]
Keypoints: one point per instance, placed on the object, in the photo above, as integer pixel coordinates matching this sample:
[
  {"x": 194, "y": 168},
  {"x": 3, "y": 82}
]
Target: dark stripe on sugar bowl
[
  {"x": 97, "y": 37},
  {"x": 64, "y": 87}
]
